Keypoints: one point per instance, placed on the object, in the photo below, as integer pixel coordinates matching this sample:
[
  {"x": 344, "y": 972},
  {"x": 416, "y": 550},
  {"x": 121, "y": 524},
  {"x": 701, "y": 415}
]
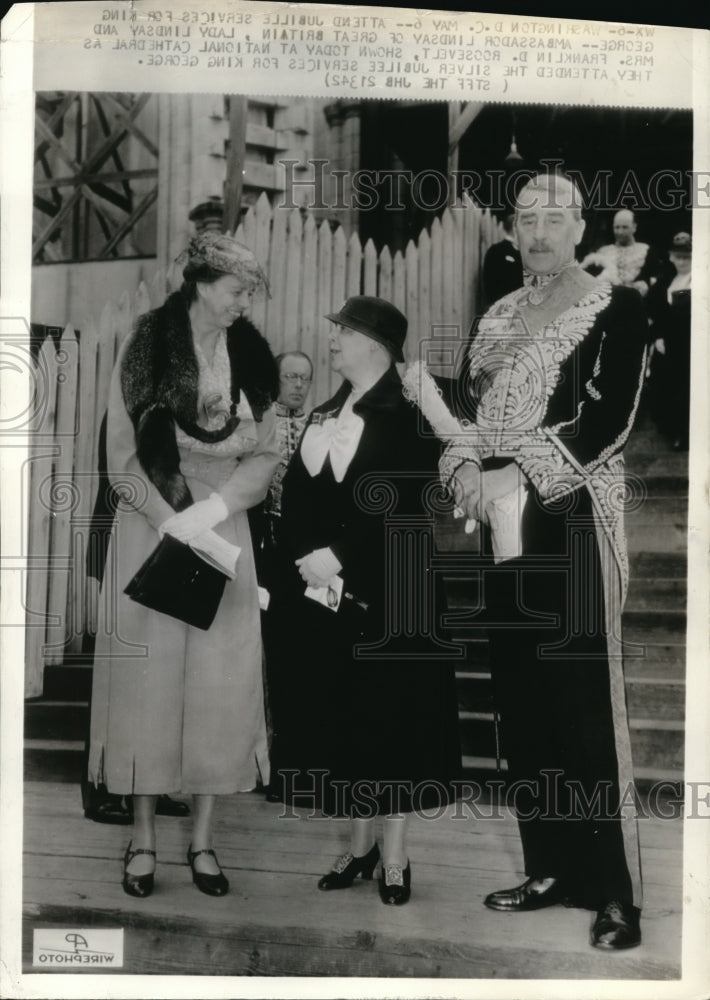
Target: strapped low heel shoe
[
  {"x": 139, "y": 886},
  {"x": 617, "y": 925},
  {"x": 347, "y": 868},
  {"x": 211, "y": 885},
  {"x": 395, "y": 884},
  {"x": 528, "y": 896}
]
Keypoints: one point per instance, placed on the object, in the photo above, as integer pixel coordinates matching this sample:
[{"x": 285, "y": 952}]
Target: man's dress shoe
[
  {"x": 528, "y": 896},
  {"x": 617, "y": 926},
  {"x": 119, "y": 811},
  {"x": 109, "y": 809},
  {"x": 166, "y": 806}
]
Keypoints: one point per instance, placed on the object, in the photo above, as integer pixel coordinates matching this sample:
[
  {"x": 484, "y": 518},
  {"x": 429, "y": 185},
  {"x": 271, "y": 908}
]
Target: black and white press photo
[{"x": 355, "y": 536}]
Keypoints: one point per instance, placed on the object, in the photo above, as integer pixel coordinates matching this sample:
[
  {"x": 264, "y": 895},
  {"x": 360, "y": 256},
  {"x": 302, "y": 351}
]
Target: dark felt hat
[
  {"x": 376, "y": 318},
  {"x": 682, "y": 243}
]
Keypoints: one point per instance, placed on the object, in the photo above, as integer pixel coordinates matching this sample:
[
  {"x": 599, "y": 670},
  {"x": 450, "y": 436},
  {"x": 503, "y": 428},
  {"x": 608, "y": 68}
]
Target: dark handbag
[{"x": 175, "y": 581}]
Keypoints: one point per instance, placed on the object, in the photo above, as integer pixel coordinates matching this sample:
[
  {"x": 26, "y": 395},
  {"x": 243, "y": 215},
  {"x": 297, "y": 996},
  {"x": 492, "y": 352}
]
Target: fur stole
[{"x": 159, "y": 380}]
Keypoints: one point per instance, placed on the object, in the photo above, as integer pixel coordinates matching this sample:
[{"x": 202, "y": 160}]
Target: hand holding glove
[
  {"x": 201, "y": 516},
  {"x": 318, "y": 567}
]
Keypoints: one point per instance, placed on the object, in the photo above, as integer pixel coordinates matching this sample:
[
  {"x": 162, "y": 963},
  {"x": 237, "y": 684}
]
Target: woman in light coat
[{"x": 191, "y": 446}]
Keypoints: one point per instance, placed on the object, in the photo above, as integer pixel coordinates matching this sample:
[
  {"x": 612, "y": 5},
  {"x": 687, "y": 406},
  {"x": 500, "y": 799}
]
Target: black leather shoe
[
  {"x": 139, "y": 886},
  {"x": 617, "y": 926},
  {"x": 211, "y": 885},
  {"x": 395, "y": 884},
  {"x": 171, "y": 807},
  {"x": 527, "y": 896},
  {"x": 347, "y": 868},
  {"x": 112, "y": 809}
]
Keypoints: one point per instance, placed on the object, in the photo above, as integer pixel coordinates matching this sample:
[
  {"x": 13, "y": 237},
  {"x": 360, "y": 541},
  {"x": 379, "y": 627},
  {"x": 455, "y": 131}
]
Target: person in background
[
  {"x": 625, "y": 261},
  {"x": 502, "y": 268},
  {"x": 295, "y": 378},
  {"x": 669, "y": 310},
  {"x": 554, "y": 373}
]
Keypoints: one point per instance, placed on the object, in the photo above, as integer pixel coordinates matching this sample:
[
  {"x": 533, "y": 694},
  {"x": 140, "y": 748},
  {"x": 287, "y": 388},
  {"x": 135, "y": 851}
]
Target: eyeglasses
[{"x": 293, "y": 377}]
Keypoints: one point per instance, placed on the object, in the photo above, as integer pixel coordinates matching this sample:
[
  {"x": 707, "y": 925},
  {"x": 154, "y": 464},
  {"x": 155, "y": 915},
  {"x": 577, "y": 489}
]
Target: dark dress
[{"x": 368, "y": 691}]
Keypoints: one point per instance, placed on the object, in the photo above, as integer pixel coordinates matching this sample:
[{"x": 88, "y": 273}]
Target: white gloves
[
  {"x": 318, "y": 567},
  {"x": 201, "y": 516}
]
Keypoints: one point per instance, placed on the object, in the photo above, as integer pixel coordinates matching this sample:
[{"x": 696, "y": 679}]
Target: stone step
[
  {"x": 657, "y": 565},
  {"x": 647, "y": 697},
  {"x": 54, "y": 760},
  {"x": 658, "y": 510},
  {"x": 642, "y": 656},
  {"x": 654, "y": 462},
  {"x": 656, "y": 698},
  {"x": 643, "y": 630},
  {"x": 666, "y": 486},
  {"x": 56, "y": 720},
  {"x": 642, "y": 659},
  {"x": 485, "y": 771},
  {"x": 643, "y": 626},
  {"x": 68, "y": 682},
  {"x": 657, "y": 594},
  {"x": 642, "y": 530},
  {"x": 645, "y": 537},
  {"x": 645, "y": 440},
  {"x": 656, "y": 745},
  {"x": 644, "y": 594}
]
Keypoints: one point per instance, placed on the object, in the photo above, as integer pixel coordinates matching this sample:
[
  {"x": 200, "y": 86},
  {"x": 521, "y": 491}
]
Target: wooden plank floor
[{"x": 275, "y": 922}]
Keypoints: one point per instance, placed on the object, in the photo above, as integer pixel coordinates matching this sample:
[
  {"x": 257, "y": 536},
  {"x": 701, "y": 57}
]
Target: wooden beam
[
  {"x": 116, "y": 175},
  {"x": 460, "y": 117},
  {"x": 234, "y": 181},
  {"x": 459, "y": 122},
  {"x": 130, "y": 222}
]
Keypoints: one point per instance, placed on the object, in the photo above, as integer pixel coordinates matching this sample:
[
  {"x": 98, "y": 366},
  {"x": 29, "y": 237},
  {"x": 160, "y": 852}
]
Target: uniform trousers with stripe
[{"x": 564, "y": 727}]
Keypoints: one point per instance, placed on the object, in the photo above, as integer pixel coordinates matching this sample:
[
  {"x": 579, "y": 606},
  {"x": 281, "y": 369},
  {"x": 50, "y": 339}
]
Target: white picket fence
[{"x": 311, "y": 271}]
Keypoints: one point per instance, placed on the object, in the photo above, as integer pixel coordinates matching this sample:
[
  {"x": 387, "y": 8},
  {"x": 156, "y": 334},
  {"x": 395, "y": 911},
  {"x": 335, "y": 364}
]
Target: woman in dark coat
[{"x": 373, "y": 726}]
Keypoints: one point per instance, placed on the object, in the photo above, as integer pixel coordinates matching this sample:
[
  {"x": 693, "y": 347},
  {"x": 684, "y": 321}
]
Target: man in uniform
[
  {"x": 295, "y": 377},
  {"x": 552, "y": 381},
  {"x": 625, "y": 261}
]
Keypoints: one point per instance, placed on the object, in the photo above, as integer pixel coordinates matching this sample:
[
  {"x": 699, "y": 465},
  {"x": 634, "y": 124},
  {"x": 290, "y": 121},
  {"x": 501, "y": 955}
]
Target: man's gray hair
[{"x": 550, "y": 191}]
